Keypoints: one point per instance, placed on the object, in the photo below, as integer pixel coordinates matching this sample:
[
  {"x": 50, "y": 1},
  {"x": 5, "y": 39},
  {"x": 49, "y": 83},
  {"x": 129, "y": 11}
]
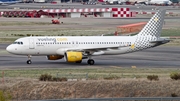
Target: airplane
[
  {"x": 76, "y": 48},
  {"x": 164, "y": 2},
  {"x": 113, "y": 1},
  {"x": 8, "y": 2},
  {"x": 153, "y": 2}
]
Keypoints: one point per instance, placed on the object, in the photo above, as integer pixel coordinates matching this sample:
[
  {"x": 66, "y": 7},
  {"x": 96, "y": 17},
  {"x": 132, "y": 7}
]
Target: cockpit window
[
  {"x": 14, "y": 42},
  {"x": 18, "y": 42}
]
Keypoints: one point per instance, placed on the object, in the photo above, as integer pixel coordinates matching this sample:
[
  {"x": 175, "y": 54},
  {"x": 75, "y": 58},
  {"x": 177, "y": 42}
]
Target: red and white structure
[
  {"x": 121, "y": 12},
  {"x": 82, "y": 12},
  {"x": 77, "y": 12},
  {"x": 102, "y": 12},
  {"x": 85, "y": 10},
  {"x": 23, "y": 13}
]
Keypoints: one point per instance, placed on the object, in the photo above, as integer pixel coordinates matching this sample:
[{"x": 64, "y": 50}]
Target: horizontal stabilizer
[{"x": 161, "y": 41}]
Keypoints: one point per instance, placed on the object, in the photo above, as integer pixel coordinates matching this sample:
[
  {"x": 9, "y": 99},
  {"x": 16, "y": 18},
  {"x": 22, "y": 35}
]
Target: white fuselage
[
  {"x": 160, "y": 2},
  {"x": 107, "y": 45},
  {"x": 152, "y": 2}
]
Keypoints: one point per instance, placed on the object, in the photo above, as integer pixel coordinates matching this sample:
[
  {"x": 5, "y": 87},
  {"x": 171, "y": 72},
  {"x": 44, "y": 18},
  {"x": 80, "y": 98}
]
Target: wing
[{"x": 95, "y": 50}]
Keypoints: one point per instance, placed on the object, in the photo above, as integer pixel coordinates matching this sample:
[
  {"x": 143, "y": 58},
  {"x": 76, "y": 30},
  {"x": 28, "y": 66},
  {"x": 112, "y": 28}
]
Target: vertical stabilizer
[
  {"x": 151, "y": 32},
  {"x": 154, "y": 26}
]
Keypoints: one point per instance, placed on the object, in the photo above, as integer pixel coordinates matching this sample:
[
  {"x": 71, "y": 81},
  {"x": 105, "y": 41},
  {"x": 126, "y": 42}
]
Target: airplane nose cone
[
  {"x": 9, "y": 49},
  {"x": 12, "y": 49}
]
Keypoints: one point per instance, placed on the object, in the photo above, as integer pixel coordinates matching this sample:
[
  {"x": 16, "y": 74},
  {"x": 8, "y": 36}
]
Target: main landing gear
[
  {"x": 90, "y": 62},
  {"x": 29, "y": 59}
]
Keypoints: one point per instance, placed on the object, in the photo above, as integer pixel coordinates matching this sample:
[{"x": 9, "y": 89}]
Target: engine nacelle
[
  {"x": 54, "y": 57},
  {"x": 73, "y": 56}
]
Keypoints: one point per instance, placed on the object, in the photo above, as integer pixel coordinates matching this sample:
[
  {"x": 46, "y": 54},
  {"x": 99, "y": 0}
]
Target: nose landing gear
[{"x": 29, "y": 59}]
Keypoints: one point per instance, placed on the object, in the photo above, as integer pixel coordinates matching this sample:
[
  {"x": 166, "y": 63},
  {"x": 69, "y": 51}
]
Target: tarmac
[{"x": 158, "y": 57}]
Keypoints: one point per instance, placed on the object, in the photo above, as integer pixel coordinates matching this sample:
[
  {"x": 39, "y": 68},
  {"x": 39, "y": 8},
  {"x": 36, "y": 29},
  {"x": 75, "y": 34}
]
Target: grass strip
[{"x": 91, "y": 73}]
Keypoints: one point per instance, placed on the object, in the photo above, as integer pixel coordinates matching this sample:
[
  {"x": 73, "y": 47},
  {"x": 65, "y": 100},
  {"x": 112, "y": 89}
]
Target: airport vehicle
[
  {"x": 8, "y": 2},
  {"x": 77, "y": 48},
  {"x": 55, "y": 21}
]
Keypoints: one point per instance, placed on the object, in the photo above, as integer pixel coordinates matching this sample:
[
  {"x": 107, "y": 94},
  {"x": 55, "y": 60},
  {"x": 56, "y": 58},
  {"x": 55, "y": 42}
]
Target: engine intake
[
  {"x": 54, "y": 57},
  {"x": 73, "y": 56}
]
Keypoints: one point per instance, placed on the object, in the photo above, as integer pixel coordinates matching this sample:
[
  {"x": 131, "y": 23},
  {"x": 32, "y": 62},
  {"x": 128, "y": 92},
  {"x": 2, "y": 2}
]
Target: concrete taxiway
[{"x": 158, "y": 57}]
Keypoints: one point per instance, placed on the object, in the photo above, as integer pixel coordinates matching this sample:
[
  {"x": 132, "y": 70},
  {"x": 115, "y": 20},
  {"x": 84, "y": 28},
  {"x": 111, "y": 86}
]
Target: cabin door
[{"x": 31, "y": 43}]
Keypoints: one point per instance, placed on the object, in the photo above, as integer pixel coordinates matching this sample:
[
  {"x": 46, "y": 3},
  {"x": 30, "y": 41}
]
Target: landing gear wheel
[
  {"x": 29, "y": 62},
  {"x": 90, "y": 62},
  {"x": 29, "y": 59}
]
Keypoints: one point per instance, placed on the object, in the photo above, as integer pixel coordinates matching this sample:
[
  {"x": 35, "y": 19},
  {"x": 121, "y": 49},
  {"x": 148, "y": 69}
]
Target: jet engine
[
  {"x": 54, "y": 57},
  {"x": 73, "y": 56}
]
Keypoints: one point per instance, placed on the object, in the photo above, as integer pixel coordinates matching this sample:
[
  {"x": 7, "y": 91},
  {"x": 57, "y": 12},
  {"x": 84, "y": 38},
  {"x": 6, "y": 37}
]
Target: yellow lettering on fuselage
[{"x": 61, "y": 39}]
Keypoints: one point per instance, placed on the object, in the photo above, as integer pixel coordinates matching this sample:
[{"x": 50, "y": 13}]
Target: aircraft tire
[
  {"x": 90, "y": 62},
  {"x": 29, "y": 62}
]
